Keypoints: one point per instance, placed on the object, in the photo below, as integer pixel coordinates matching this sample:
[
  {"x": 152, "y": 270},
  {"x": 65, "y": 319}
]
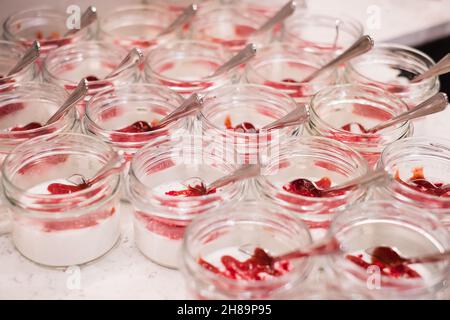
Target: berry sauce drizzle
[
  {"x": 244, "y": 127},
  {"x": 307, "y": 188},
  {"x": 260, "y": 266},
  {"x": 419, "y": 183},
  {"x": 61, "y": 188},
  {"x": 192, "y": 191}
]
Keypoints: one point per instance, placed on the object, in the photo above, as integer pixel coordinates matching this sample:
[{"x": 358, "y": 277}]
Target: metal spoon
[
  {"x": 287, "y": 10},
  {"x": 88, "y": 17},
  {"x": 298, "y": 116},
  {"x": 366, "y": 179},
  {"x": 436, "y": 103},
  {"x": 77, "y": 95},
  {"x": 188, "y": 107},
  {"x": 443, "y": 66},
  {"x": 183, "y": 18},
  {"x": 133, "y": 58},
  {"x": 361, "y": 46},
  {"x": 393, "y": 259},
  {"x": 27, "y": 59},
  {"x": 241, "y": 57}
]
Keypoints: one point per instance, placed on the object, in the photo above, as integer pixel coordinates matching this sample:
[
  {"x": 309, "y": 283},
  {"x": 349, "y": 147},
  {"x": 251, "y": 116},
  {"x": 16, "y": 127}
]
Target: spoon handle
[
  {"x": 133, "y": 58},
  {"x": 189, "y": 106},
  {"x": 287, "y": 10},
  {"x": 183, "y": 18},
  {"x": 429, "y": 258},
  {"x": 325, "y": 247},
  {"x": 298, "y": 116},
  {"x": 435, "y": 104},
  {"x": 245, "y": 172},
  {"x": 88, "y": 17},
  {"x": 361, "y": 46},
  {"x": 77, "y": 95},
  {"x": 366, "y": 179},
  {"x": 28, "y": 58},
  {"x": 241, "y": 57},
  {"x": 115, "y": 165},
  {"x": 443, "y": 66}
]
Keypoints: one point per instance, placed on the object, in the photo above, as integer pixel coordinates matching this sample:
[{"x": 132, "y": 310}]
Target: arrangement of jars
[{"x": 175, "y": 135}]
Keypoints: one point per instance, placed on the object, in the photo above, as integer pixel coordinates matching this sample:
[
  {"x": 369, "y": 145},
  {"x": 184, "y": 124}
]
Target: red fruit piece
[
  {"x": 61, "y": 188},
  {"x": 243, "y": 31},
  {"x": 192, "y": 191},
  {"x": 244, "y": 127},
  {"x": 419, "y": 183},
  {"x": 307, "y": 188},
  {"x": 139, "y": 126},
  {"x": 30, "y": 126}
]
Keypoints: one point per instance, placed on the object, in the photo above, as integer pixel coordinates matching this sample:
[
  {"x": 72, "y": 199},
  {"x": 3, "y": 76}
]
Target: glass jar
[
  {"x": 186, "y": 66},
  {"x": 345, "y": 112},
  {"x": 111, "y": 114},
  {"x": 283, "y": 67},
  {"x": 425, "y": 160},
  {"x": 319, "y": 160},
  {"x": 137, "y": 26},
  {"x": 230, "y": 26},
  {"x": 409, "y": 231},
  {"x": 44, "y": 24},
  {"x": 392, "y": 67},
  {"x": 161, "y": 182},
  {"x": 322, "y": 34},
  {"x": 10, "y": 54},
  {"x": 66, "y": 66},
  {"x": 236, "y": 231},
  {"x": 23, "y": 108},
  {"x": 53, "y": 223},
  {"x": 232, "y": 116}
]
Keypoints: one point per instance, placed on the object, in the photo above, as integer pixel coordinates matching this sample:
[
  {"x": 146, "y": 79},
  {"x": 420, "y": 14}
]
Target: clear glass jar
[
  {"x": 110, "y": 112},
  {"x": 186, "y": 66},
  {"x": 409, "y": 231},
  {"x": 21, "y": 106},
  {"x": 66, "y": 66},
  {"x": 335, "y": 112},
  {"x": 137, "y": 26},
  {"x": 282, "y": 66},
  {"x": 226, "y": 110},
  {"x": 392, "y": 67},
  {"x": 233, "y": 231},
  {"x": 162, "y": 168},
  {"x": 318, "y": 32},
  {"x": 315, "y": 159},
  {"x": 230, "y": 26},
  {"x": 44, "y": 24},
  {"x": 10, "y": 54},
  {"x": 406, "y": 158},
  {"x": 51, "y": 226}
]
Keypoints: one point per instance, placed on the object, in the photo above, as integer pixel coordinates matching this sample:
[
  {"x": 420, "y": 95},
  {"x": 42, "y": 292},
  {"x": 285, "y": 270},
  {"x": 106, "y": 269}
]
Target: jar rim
[
  {"x": 269, "y": 211},
  {"x": 430, "y": 82}
]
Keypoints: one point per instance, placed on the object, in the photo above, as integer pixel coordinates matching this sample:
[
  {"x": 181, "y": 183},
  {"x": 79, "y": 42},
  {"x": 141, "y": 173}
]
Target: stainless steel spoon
[
  {"x": 241, "y": 57},
  {"x": 443, "y": 66},
  {"x": 361, "y": 46},
  {"x": 87, "y": 18},
  {"x": 188, "y": 107},
  {"x": 182, "y": 19},
  {"x": 133, "y": 58},
  {"x": 287, "y": 10},
  {"x": 27, "y": 59}
]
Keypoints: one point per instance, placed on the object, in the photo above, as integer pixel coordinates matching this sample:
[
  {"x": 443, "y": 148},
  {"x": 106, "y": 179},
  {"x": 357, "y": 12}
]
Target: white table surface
[{"x": 124, "y": 273}]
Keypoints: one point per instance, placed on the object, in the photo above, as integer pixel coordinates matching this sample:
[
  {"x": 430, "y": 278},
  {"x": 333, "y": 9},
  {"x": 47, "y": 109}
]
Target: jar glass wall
[
  {"x": 408, "y": 231},
  {"x": 167, "y": 188},
  {"x": 346, "y": 112},
  {"x": 234, "y": 233},
  {"x": 10, "y": 54},
  {"x": 56, "y": 221}
]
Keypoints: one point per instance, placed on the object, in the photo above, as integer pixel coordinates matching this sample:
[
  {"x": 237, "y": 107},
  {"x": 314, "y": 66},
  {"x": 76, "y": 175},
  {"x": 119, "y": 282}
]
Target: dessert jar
[
  {"x": 10, "y": 54},
  {"x": 346, "y": 112},
  {"x": 24, "y": 109},
  {"x": 67, "y": 65},
  {"x": 420, "y": 168},
  {"x": 392, "y": 67},
  {"x": 186, "y": 66},
  {"x": 283, "y": 67},
  {"x": 231, "y": 26},
  {"x": 137, "y": 26},
  {"x": 234, "y": 115},
  {"x": 46, "y": 25},
  {"x": 224, "y": 253},
  {"x": 324, "y": 163},
  {"x": 408, "y": 231},
  {"x": 322, "y": 34},
  {"x": 57, "y": 220},
  {"x": 167, "y": 183}
]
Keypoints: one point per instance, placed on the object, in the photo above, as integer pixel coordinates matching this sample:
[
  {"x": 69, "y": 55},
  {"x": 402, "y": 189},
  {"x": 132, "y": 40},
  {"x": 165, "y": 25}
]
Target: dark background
[{"x": 437, "y": 50}]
